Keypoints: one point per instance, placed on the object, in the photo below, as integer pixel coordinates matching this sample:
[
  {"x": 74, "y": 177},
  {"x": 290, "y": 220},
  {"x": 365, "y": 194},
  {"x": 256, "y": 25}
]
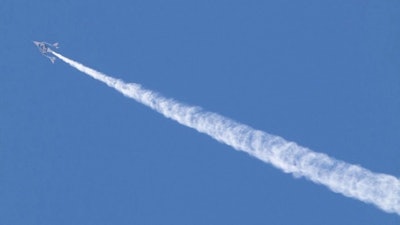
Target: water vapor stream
[{"x": 350, "y": 180}]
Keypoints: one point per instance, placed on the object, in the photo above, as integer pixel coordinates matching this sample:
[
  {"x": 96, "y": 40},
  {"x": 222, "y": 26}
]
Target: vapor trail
[{"x": 350, "y": 180}]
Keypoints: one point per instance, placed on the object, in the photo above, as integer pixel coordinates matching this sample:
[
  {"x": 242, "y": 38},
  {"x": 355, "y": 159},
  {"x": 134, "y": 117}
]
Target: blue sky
[{"x": 324, "y": 74}]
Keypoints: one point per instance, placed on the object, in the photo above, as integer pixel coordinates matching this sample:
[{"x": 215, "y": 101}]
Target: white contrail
[{"x": 350, "y": 180}]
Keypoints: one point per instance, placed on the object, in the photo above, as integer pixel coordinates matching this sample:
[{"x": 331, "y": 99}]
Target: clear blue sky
[{"x": 325, "y": 74}]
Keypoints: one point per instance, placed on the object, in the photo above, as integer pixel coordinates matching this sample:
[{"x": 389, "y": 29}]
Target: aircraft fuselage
[{"x": 44, "y": 48}]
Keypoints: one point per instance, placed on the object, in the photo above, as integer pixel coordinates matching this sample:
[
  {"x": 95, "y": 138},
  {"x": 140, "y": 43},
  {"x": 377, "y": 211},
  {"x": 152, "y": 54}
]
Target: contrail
[{"x": 350, "y": 180}]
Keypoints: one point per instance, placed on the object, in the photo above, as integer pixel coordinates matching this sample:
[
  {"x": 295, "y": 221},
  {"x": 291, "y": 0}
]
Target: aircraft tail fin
[
  {"x": 52, "y": 59},
  {"x": 55, "y": 45}
]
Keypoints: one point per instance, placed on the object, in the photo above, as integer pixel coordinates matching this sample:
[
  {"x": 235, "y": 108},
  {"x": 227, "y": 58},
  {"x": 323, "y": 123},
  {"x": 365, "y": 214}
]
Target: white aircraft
[{"x": 45, "y": 49}]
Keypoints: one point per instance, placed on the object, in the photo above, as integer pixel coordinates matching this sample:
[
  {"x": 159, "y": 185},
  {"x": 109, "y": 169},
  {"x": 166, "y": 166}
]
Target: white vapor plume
[{"x": 350, "y": 180}]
